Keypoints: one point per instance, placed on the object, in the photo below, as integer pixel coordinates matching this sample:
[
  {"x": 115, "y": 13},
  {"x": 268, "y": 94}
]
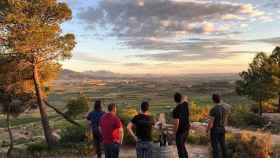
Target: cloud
[
  {"x": 188, "y": 50},
  {"x": 90, "y": 58},
  {"x": 160, "y": 27},
  {"x": 161, "y": 18},
  {"x": 273, "y": 41},
  {"x": 134, "y": 64}
]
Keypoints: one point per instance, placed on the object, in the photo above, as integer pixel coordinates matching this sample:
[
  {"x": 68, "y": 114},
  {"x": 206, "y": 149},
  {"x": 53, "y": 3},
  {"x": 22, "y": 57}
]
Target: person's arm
[
  {"x": 130, "y": 131},
  {"x": 176, "y": 120},
  {"x": 121, "y": 134},
  {"x": 88, "y": 120},
  {"x": 210, "y": 124},
  {"x": 176, "y": 125},
  {"x": 210, "y": 120}
]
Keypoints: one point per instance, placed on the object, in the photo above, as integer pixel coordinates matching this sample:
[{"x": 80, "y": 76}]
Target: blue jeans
[
  {"x": 144, "y": 149},
  {"x": 218, "y": 139},
  {"x": 112, "y": 150}
]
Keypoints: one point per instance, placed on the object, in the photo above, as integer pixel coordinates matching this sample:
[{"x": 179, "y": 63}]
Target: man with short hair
[
  {"x": 216, "y": 127},
  {"x": 94, "y": 119},
  {"x": 112, "y": 132},
  {"x": 182, "y": 124},
  {"x": 143, "y": 123}
]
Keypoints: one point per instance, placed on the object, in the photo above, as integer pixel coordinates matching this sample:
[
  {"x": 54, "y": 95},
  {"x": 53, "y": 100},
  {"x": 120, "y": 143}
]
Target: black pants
[
  {"x": 218, "y": 139},
  {"x": 111, "y": 150},
  {"x": 181, "y": 144},
  {"x": 97, "y": 139}
]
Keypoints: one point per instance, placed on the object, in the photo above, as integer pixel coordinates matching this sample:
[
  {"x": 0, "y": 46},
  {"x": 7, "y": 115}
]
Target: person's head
[
  {"x": 216, "y": 98},
  {"x": 144, "y": 106},
  {"x": 112, "y": 108},
  {"x": 178, "y": 97},
  {"x": 97, "y": 105}
]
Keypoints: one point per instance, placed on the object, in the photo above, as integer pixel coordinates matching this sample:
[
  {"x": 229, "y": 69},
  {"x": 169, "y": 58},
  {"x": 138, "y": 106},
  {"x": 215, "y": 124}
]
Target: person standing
[
  {"x": 143, "y": 123},
  {"x": 111, "y": 129},
  {"x": 182, "y": 124},
  {"x": 94, "y": 118},
  {"x": 216, "y": 127}
]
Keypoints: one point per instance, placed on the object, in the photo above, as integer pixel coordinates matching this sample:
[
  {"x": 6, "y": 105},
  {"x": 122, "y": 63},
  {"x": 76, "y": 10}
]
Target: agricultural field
[{"x": 127, "y": 94}]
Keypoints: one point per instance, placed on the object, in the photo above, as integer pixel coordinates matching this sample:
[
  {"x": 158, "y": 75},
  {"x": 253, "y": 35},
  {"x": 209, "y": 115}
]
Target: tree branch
[{"x": 61, "y": 113}]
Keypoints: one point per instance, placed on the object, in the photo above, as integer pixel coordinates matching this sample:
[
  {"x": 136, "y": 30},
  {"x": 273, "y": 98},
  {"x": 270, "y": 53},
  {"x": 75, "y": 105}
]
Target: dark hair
[
  {"x": 216, "y": 98},
  {"x": 178, "y": 97},
  {"x": 144, "y": 106},
  {"x": 111, "y": 107},
  {"x": 97, "y": 105}
]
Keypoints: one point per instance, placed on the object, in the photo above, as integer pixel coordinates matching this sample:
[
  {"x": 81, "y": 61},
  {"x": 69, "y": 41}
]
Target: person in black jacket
[{"x": 182, "y": 124}]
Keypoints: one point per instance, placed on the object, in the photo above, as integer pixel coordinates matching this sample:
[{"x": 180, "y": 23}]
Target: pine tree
[
  {"x": 256, "y": 82},
  {"x": 31, "y": 36}
]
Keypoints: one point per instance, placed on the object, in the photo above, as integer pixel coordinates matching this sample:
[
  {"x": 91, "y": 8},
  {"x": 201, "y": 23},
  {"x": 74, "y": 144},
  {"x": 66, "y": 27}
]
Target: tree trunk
[
  {"x": 43, "y": 111},
  {"x": 62, "y": 114},
  {"x": 279, "y": 102},
  {"x": 260, "y": 108},
  {"x": 11, "y": 146}
]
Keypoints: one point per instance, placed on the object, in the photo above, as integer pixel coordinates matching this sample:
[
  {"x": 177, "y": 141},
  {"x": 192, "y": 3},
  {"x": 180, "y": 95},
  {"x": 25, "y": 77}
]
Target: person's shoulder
[
  {"x": 104, "y": 115},
  {"x": 136, "y": 117}
]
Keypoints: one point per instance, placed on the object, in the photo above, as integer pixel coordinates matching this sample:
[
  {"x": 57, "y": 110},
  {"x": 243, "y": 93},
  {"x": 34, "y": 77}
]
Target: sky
[{"x": 171, "y": 36}]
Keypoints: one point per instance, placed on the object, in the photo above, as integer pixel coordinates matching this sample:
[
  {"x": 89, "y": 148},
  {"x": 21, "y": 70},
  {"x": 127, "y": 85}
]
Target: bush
[
  {"x": 276, "y": 151},
  {"x": 126, "y": 115},
  {"x": 78, "y": 106},
  {"x": 198, "y": 113},
  {"x": 73, "y": 134},
  {"x": 249, "y": 144},
  {"x": 242, "y": 117},
  {"x": 268, "y": 107},
  {"x": 41, "y": 150},
  {"x": 198, "y": 139}
]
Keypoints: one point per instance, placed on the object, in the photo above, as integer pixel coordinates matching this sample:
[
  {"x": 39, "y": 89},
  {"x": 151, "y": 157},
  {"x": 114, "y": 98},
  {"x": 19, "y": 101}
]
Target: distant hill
[{"x": 67, "y": 74}]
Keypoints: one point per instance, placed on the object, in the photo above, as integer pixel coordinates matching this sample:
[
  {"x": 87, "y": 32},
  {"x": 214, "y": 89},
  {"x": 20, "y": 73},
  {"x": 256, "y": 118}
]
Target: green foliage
[
  {"x": 78, "y": 106},
  {"x": 248, "y": 144},
  {"x": 242, "y": 117},
  {"x": 41, "y": 150},
  {"x": 256, "y": 82},
  {"x": 73, "y": 134},
  {"x": 198, "y": 139}
]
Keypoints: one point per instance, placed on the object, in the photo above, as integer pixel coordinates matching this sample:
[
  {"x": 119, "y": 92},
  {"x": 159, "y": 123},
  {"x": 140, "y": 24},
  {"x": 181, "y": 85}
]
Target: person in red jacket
[{"x": 111, "y": 130}]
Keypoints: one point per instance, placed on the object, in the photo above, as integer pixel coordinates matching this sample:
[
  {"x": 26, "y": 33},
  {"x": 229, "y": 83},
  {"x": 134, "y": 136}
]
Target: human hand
[{"x": 135, "y": 138}]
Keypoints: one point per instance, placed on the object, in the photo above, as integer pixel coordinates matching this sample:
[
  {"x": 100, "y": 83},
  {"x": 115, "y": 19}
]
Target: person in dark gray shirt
[{"x": 216, "y": 127}]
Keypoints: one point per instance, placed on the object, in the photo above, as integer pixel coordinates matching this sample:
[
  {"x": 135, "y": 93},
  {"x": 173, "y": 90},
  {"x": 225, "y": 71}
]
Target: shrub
[
  {"x": 73, "y": 134},
  {"x": 198, "y": 113},
  {"x": 241, "y": 116},
  {"x": 268, "y": 107},
  {"x": 126, "y": 115},
  {"x": 78, "y": 106},
  {"x": 276, "y": 151},
  {"x": 198, "y": 139},
  {"x": 249, "y": 144}
]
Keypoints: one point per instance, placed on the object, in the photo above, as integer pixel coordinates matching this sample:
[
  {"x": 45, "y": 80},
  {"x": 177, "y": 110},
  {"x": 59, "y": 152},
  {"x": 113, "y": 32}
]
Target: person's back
[
  {"x": 143, "y": 123},
  {"x": 94, "y": 118},
  {"x": 216, "y": 127},
  {"x": 218, "y": 112},
  {"x": 112, "y": 132},
  {"x": 110, "y": 125},
  {"x": 182, "y": 113},
  {"x": 182, "y": 124}
]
